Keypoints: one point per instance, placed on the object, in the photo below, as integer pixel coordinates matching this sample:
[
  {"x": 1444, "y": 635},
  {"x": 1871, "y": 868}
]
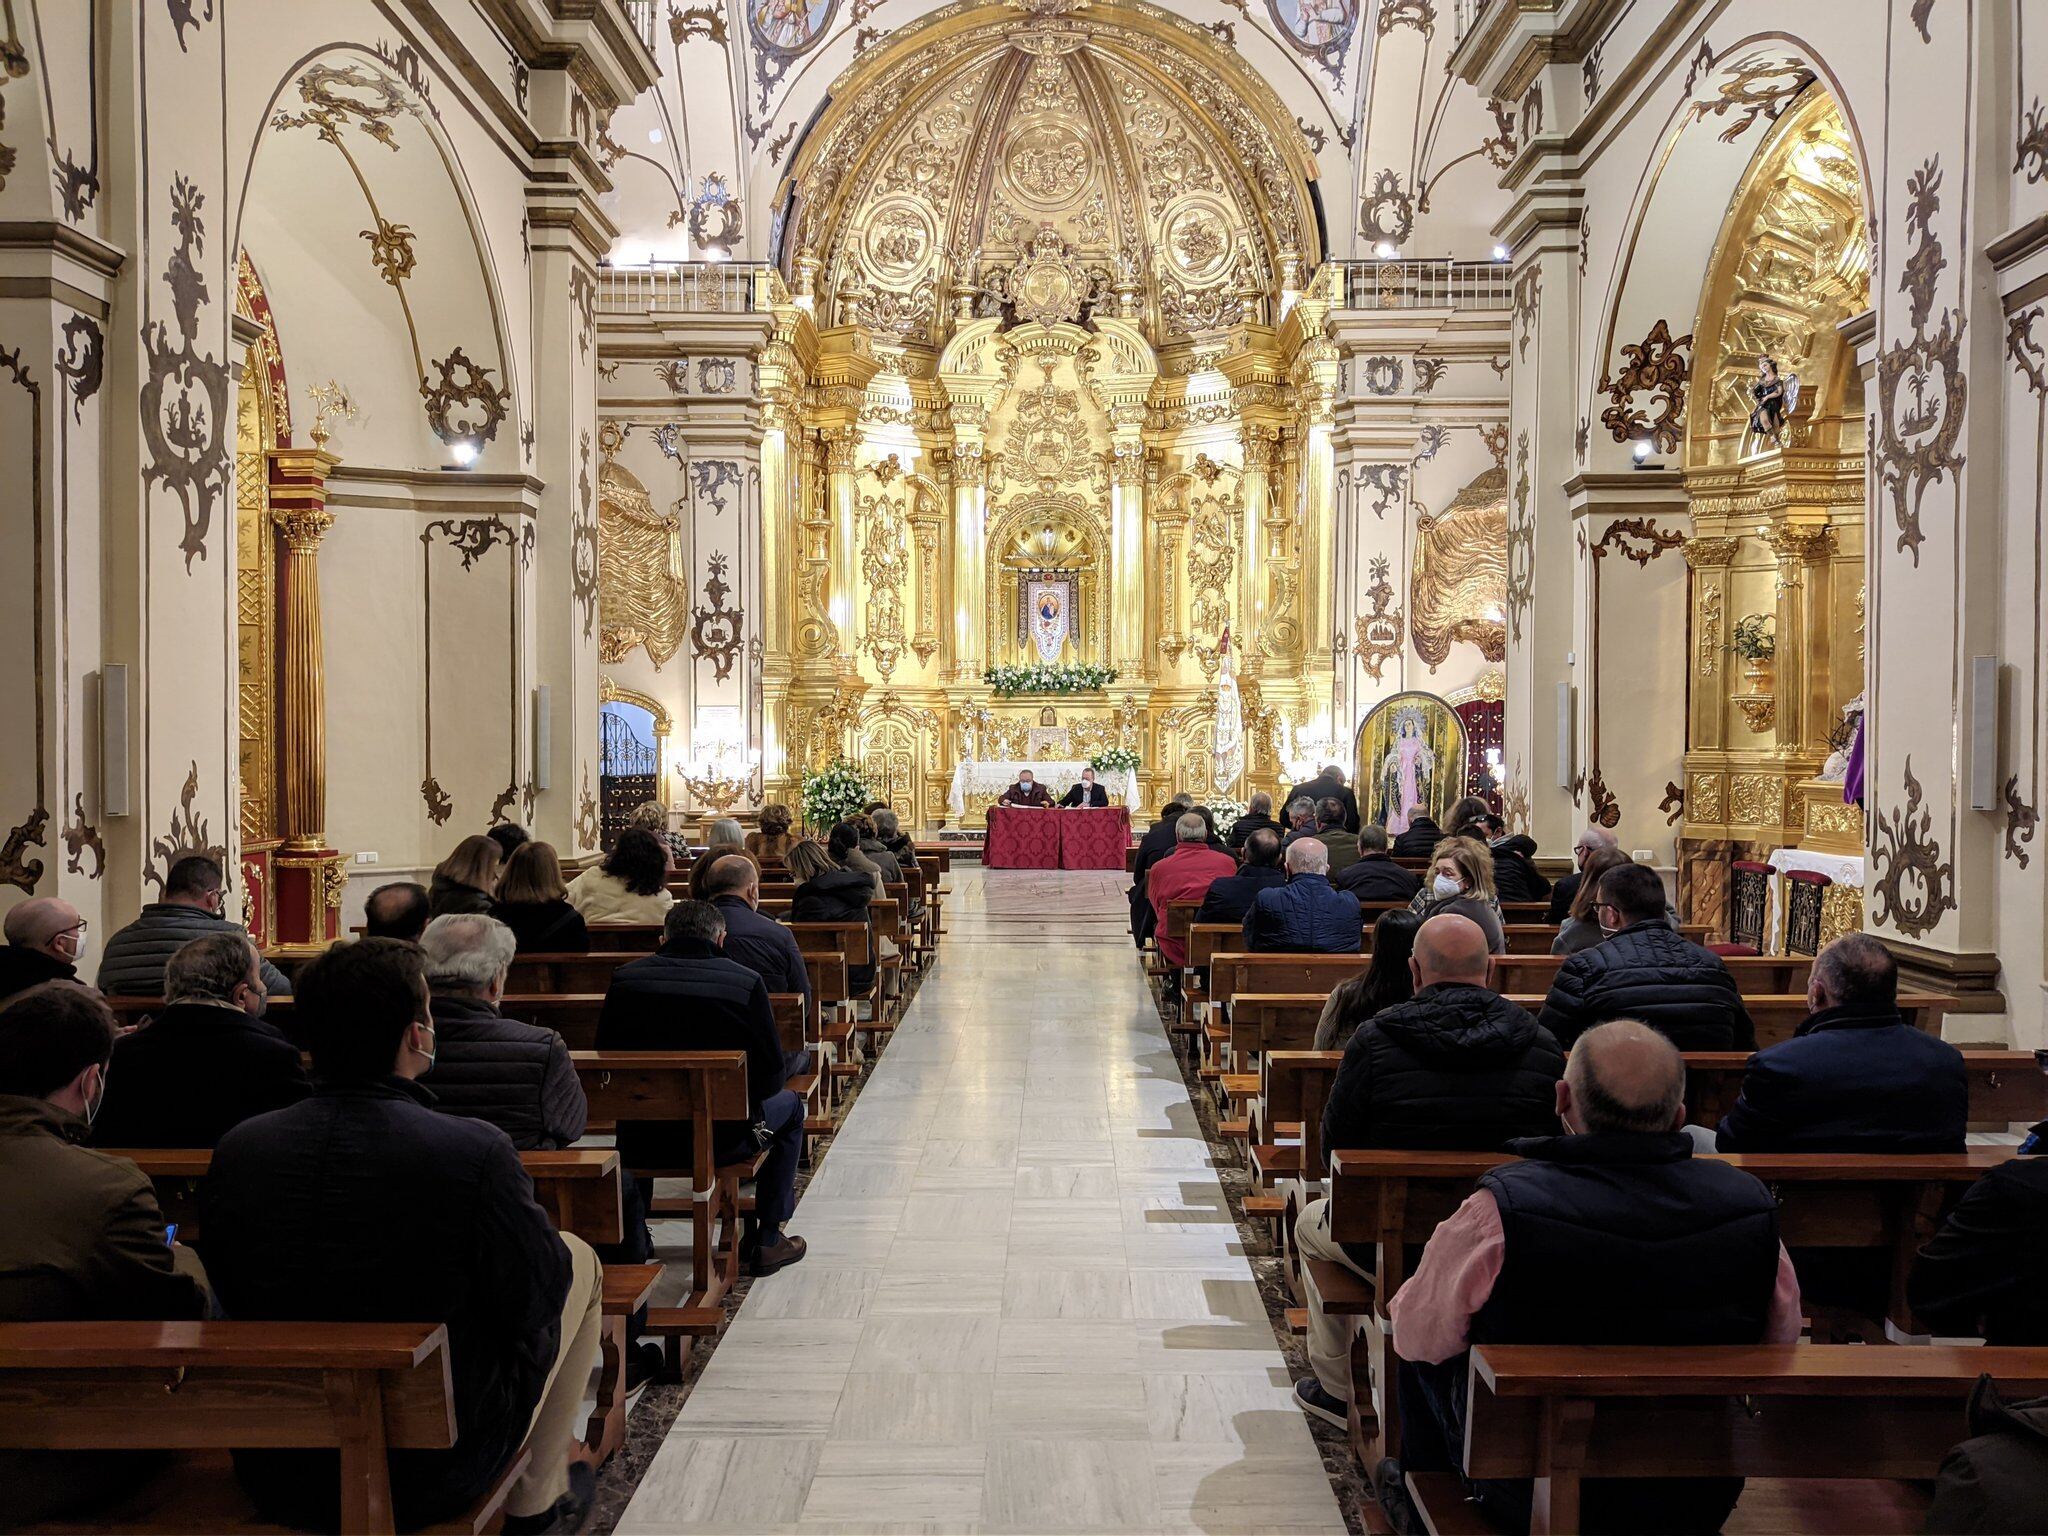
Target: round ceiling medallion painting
[
  {"x": 1046, "y": 165},
  {"x": 1196, "y": 233}
]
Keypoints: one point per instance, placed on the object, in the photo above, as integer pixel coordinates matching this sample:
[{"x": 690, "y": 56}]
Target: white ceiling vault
[{"x": 1404, "y": 152}]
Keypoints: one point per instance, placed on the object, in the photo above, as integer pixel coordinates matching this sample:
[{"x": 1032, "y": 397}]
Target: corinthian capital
[{"x": 1705, "y": 552}]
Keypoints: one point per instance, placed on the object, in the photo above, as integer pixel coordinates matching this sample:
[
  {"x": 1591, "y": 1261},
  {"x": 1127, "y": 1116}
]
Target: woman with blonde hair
[
  {"x": 466, "y": 880},
  {"x": 533, "y": 901},
  {"x": 1460, "y": 880},
  {"x": 773, "y": 840}
]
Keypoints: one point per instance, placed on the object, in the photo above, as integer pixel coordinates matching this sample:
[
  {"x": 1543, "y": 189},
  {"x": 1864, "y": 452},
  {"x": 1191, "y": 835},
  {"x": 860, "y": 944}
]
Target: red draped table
[
  {"x": 1094, "y": 838},
  {"x": 1021, "y": 838}
]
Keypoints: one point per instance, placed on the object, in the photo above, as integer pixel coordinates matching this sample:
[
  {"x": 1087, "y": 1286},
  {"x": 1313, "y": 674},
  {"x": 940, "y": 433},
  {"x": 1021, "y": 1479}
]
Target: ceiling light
[
  {"x": 654, "y": 135},
  {"x": 463, "y": 451},
  {"x": 1500, "y": 253},
  {"x": 1385, "y": 250}
]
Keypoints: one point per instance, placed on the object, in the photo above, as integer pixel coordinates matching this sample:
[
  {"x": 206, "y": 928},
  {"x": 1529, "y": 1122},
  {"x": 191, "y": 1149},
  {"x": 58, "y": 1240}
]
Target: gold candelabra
[{"x": 719, "y": 779}]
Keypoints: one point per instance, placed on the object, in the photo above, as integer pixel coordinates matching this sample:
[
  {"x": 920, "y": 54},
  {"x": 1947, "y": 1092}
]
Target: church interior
[{"x": 1072, "y": 491}]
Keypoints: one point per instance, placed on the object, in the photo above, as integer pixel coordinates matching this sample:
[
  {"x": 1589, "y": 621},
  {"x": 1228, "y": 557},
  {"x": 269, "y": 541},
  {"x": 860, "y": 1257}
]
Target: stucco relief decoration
[
  {"x": 1638, "y": 539},
  {"x": 2021, "y": 820},
  {"x": 80, "y": 836},
  {"x": 586, "y": 814},
  {"x": 717, "y": 375},
  {"x": 1602, "y": 809},
  {"x": 1321, "y": 29},
  {"x": 463, "y": 405},
  {"x": 641, "y": 592},
  {"x": 1659, "y": 366},
  {"x": 1758, "y": 87},
  {"x": 1378, "y": 635},
  {"x": 583, "y": 545},
  {"x": 391, "y": 251},
  {"x": 186, "y": 832},
  {"x": 1382, "y": 375},
  {"x": 783, "y": 31},
  {"x": 184, "y": 399},
  {"x": 1673, "y": 803},
  {"x": 1514, "y": 802},
  {"x": 1429, "y": 372},
  {"x": 715, "y": 216},
  {"x": 1913, "y": 884},
  {"x": 1521, "y": 544},
  {"x": 1704, "y": 798},
  {"x": 884, "y": 566},
  {"x": 1429, "y": 442},
  {"x": 1458, "y": 588},
  {"x": 710, "y": 479},
  {"x": 715, "y": 631},
  {"x": 1495, "y": 436},
  {"x": 82, "y": 361},
  {"x": 1213, "y": 524},
  {"x": 1387, "y": 483},
  {"x": 1499, "y": 147},
  {"x": 186, "y": 15},
  {"x": 1528, "y": 293},
  {"x": 2030, "y": 149},
  {"x": 1921, "y": 389},
  {"x": 1388, "y": 209}
]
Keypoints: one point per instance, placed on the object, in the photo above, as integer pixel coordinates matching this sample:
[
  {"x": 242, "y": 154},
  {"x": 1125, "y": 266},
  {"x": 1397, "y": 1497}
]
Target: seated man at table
[
  {"x": 1305, "y": 914},
  {"x": 1613, "y": 1233},
  {"x": 1086, "y": 794},
  {"x": 1184, "y": 875},
  {"x": 1855, "y": 1077},
  {"x": 1026, "y": 791}
]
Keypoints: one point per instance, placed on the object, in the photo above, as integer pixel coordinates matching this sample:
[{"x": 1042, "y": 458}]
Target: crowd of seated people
[{"x": 1614, "y": 1226}]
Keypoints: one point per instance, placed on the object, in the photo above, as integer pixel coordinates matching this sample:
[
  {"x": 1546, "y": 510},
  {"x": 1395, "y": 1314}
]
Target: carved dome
[{"x": 966, "y": 160}]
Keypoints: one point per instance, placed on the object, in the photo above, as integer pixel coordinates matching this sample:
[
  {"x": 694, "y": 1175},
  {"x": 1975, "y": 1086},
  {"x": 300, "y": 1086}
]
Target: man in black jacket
[
  {"x": 194, "y": 904},
  {"x": 1232, "y": 896},
  {"x": 1258, "y": 817},
  {"x": 1158, "y": 841},
  {"x": 45, "y": 938},
  {"x": 1645, "y": 969},
  {"x": 761, "y": 944},
  {"x": 1613, "y": 1233},
  {"x": 1592, "y": 839},
  {"x": 1374, "y": 876},
  {"x": 1455, "y": 1068},
  {"x": 687, "y": 996},
  {"x": 207, "y": 1061},
  {"x": 1985, "y": 1273},
  {"x": 1085, "y": 793},
  {"x": 1330, "y": 782},
  {"x": 397, "y": 911},
  {"x": 489, "y": 1067},
  {"x": 363, "y": 1204},
  {"x": 1515, "y": 875},
  {"x": 1420, "y": 839}
]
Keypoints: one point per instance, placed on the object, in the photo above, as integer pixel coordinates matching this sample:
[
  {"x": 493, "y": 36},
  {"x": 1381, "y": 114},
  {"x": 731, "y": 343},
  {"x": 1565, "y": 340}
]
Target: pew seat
[
  {"x": 203, "y": 1389},
  {"x": 626, "y": 1290}
]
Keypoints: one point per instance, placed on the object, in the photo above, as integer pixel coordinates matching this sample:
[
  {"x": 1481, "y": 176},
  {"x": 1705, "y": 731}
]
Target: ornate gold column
[
  {"x": 970, "y": 558},
  {"x": 1261, "y": 448},
  {"x": 1127, "y": 538},
  {"x": 1805, "y": 667},
  {"x": 840, "y": 445},
  {"x": 309, "y": 875},
  {"x": 1710, "y": 559}
]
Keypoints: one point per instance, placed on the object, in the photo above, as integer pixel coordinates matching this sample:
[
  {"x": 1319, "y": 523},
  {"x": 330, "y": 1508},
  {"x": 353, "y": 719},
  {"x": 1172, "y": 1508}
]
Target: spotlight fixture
[
  {"x": 462, "y": 453},
  {"x": 1642, "y": 449},
  {"x": 1385, "y": 250},
  {"x": 654, "y": 135},
  {"x": 1500, "y": 253}
]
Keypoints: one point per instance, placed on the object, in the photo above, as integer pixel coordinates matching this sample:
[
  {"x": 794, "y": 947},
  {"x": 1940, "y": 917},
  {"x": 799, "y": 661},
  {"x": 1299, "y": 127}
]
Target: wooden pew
[
  {"x": 2006, "y": 1087},
  {"x": 205, "y": 1389},
  {"x": 539, "y": 972},
  {"x": 1755, "y": 975},
  {"x": 579, "y": 1187},
  {"x": 694, "y": 1091},
  {"x": 1395, "y": 1200},
  {"x": 1809, "y": 1412},
  {"x": 625, "y": 938}
]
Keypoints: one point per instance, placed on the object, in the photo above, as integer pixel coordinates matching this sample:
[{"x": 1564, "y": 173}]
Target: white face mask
[{"x": 1444, "y": 885}]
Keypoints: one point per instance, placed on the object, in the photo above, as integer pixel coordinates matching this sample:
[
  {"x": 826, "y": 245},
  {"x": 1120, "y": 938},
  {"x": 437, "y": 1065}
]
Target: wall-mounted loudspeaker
[
  {"x": 1565, "y": 743},
  {"x": 543, "y": 737},
  {"x": 1984, "y": 733},
  {"x": 114, "y": 739}
]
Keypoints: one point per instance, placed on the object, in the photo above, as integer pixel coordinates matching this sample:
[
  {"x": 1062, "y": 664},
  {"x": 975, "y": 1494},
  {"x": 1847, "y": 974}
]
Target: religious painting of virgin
[
  {"x": 1411, "y": 761},
  {"x": 1319, "y": 28},
  {"x": 788, "y": 26}
]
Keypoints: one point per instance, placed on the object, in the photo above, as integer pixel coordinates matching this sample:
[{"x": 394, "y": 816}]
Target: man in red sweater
[{"x": 1184, "y": 875}]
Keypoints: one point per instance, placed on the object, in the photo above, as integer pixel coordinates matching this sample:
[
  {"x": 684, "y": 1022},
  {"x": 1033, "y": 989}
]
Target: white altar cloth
[
  {"x": 981, "y": 783},
  {"x": 1842, "y": 868}
]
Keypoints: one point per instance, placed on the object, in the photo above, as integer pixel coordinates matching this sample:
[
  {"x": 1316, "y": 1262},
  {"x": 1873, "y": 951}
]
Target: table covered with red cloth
[
  {"x": 1020, "y": 837},
  {"x": 1094, "y": 838}
]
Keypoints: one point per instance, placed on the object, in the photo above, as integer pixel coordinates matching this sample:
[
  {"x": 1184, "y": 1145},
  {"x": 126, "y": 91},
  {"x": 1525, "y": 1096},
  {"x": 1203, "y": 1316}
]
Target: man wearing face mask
[
  {"x": 1455, "y": 1068},
  {"x": 208, "y": 1061},
  {"x": 362, "y": 1203},
  {"x": 195, "y": 900},
  {"x": 45, "y": 939},
  {"x": 81, "y": 1236}
]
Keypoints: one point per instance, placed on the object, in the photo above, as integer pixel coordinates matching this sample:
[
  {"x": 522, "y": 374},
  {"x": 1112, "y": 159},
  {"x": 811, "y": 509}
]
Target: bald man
[
  {"x": 1613, "y": 1233},
  {"x": 1307, "y": 914},
  {"x": 45, "y": 938},
  {"x": 1456, "y": 1067}
]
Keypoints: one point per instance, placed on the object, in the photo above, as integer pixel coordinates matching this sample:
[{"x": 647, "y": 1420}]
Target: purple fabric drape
[{"x": 1852, "y": 780}]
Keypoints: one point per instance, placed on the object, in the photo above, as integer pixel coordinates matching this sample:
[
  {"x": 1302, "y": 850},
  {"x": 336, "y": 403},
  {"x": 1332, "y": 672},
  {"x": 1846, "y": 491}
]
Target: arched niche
[{"x": 356, "y": 210}]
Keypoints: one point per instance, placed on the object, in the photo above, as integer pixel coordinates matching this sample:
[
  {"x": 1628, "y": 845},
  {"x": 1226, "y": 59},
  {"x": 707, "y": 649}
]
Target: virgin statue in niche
[
  {"x": 1406, "y": 773},
  {"x": 1410, "y": 760}
]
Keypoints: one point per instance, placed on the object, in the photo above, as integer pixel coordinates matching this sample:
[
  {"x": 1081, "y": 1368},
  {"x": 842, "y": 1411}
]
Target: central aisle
[{"x": 1026, "y": 1307}]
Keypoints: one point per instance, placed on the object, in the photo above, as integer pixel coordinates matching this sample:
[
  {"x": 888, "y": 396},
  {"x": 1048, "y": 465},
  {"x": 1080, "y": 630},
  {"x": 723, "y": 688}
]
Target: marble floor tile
[{"x": 1025, "y": 1305}]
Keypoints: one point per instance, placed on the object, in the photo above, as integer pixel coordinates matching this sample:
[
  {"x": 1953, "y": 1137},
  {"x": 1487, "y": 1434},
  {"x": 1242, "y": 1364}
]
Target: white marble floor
[{"x": 1025, "y": 1306}]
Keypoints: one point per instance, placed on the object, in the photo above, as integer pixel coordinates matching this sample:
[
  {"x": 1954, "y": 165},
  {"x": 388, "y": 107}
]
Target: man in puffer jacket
[
  {"x": 1305, "y": 914},
  {"x": 1455, "y": 1068},
  {"x": 194, "y": 894},
  {"x": 1645, "y": 969}
]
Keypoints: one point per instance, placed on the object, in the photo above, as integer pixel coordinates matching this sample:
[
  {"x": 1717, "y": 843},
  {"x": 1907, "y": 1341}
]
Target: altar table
[
  {"x": 977, "y": 783},
  {"x": 1022, "y": 838}
]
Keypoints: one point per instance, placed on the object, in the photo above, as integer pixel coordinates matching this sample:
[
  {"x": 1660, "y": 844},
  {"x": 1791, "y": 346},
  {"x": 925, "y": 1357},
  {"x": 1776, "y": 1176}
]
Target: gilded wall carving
[
  {"x": 1458, "y": 589},
  {"x": 1659, "y": 366},
  {"x": 884, "y": 565},
  {"x": 1703, "y": 799},
  {"x": 1756, "y": 799},
  {"x": 1913, "y": 885},
  {"x": 641, "y": 594}
]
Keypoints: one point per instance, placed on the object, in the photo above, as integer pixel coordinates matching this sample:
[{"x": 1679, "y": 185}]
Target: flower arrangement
[
  {"x": 1755, "y": 637},
  {"x": 1226, "y": 811},
  {"x": 833, "y": 793},
  {"x": 1042, "y": 677},
  {"x": 1114, "y": 760}
]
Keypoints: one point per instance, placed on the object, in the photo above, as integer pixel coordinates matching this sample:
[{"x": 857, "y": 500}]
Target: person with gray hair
[
  {"x": 206, "y": 1061},
  {"x": 1307, "y": 914},
  {"x": 1185, "y": 874},
  {"x": 1613, "y": 1233},
  {"x": 1855, "y": 1077},
  {"x": 486, "y": 1066},
  {"x": 45, "y": 938},
  {"x": 1257, "y": 817},
  {"x": 1593, "y": 838},
  {"x": 688, "y": 996}
]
